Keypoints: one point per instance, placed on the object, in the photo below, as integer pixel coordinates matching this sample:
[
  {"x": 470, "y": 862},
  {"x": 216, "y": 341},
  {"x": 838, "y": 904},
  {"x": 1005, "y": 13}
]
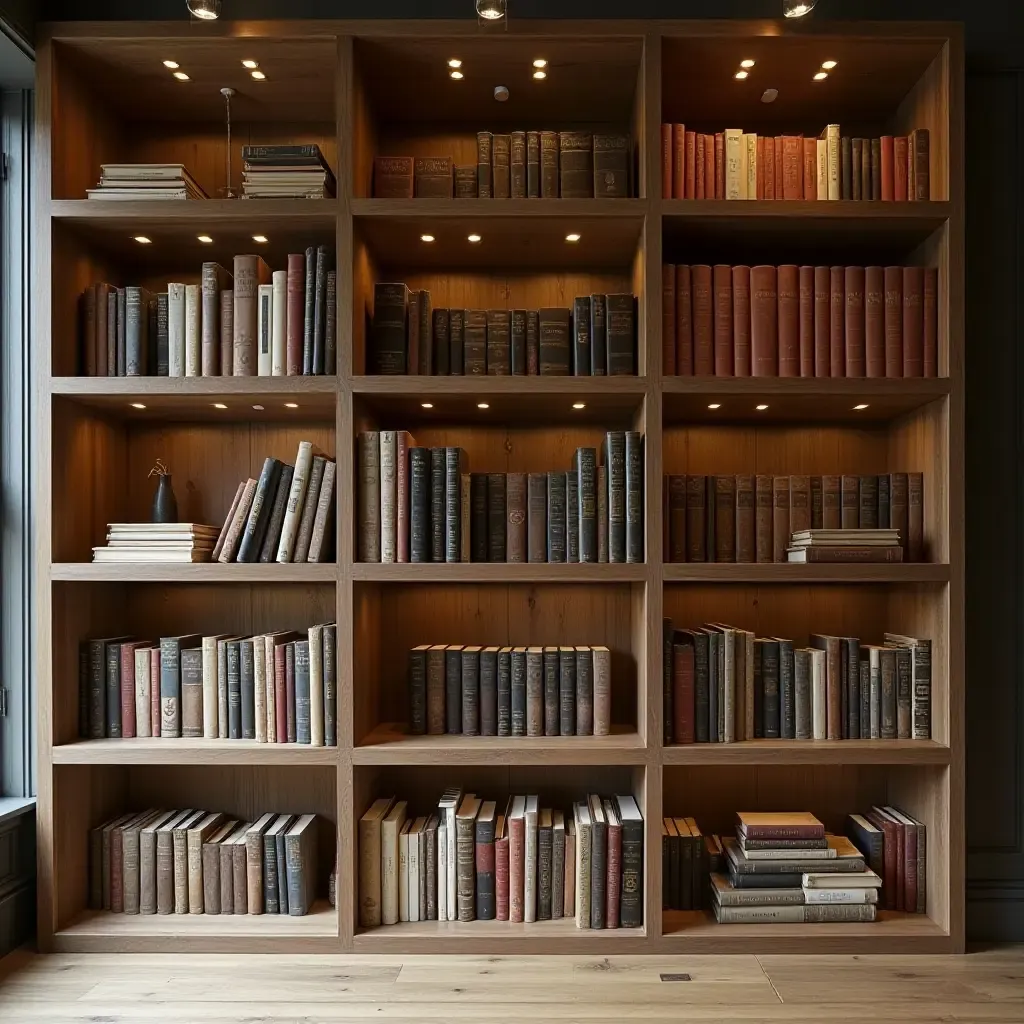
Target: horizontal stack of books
[
  {"x": 200, "y": 862},
  {"x": 285, "y": 516},
  {"x": 157, "y": 542},
  {"x": 278, "y": 687},
  {"x": 845, "y": 546},
  {"x": 247, "y": 322},
  {"x": 286, "y": 172},
  {"x": 510, "y": 691},
  {"x": 723, "y": 685},
  {"x": 465, "y": 861},
  {"x": 734, "y": 164},
  {"x": 596, "y": 337},
  {"x": 421, "y": 505},
  {"x": 783, "y": 868},
  {"x": 753, "y": 518},
  {"x": 146, "y": 181}
]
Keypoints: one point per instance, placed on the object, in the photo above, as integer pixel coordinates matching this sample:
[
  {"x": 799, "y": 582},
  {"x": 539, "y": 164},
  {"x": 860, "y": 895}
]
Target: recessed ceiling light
[
  {"x": 138, "y": 405},
  {"x": 143, "y": 240},
  {"x": 427, "y": 405},
  {"x": 769, "y": 95},
  {"x": 573, "y": 237},
  {"x": 474, "y": 238},
  {"x": 715, "y": 405},
  {"x": 250, "y": 64},
  {"x": 258, "y": 75},
  {"x": 861, "y": 407},
  {"x": 258, "y": 408},
  {"x": 181, "y": 76},
  {"x": 205, "y": 239},
  {"x": 172, "y": 64},
  {"x": 540, "y": 63},
  {"x": 828, "y": 65},
  {"x": 457, "y": 75},
  {"x": 262, "y": 239},
  {"x": 741, "y": 74},
  {"x": 482, "y": 405},
  {"x": 540, "y": 74},
  {"x": 748, "y": 63},
  {"x": 455, "y": 63},
  {"x": 761, "y": 408},
  {"x": 821, "y": 76},
  {"x": 426, "y": 238},
  {"x": 219, "y": 405},
  {"x": 579, "y": 405},
  {"x": 291, "y": 405}
]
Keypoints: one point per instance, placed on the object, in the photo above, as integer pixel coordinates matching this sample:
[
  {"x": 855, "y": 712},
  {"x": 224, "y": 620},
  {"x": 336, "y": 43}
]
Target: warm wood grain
[
  {"x": 709, "y": 572},
  {"x": 191, "y": 751},
  {"x": 809, "y": 752}
]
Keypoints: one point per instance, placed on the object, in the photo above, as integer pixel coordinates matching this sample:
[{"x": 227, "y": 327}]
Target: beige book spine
[
  {"x": 180, "y": 871},
  {"x": 147, "y": 871},
  {"x": 582, "y": 875},
  {"x": 143, "y": 693},
  {"x": 209, "y": 687},
  {"x": 226, "y": 876},
  {"x": 254, "y": 871},
  {"x": 296, "y": 496},
  {"x": 602, "y": 691},
  {"x": 193, "y": 365},
  {"x": 196, "y": 838},
  {"x": 234, "y": 531},
  {"x": 259, "y": 675},
  {"x": 240, "y": 877},
  {"x": 821, "y": 153},
  {"x": 318, "y": 545},
  {"x": 176, "y": 329},
  {"x": 316, "y": 685},
  {"x": 130, "y": 866},
  {"x": 211, "y": 878},
  {"x": 750, "y": 141},
  {"x": 279, "y": 338},
  {"x": 369, "y": 873},
  {"x": 165, "y": 873},
  {"x": 388, "y": 496}
]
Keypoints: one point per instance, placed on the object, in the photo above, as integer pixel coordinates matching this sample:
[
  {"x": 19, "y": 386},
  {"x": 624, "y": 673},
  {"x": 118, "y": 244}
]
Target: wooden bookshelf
[{"x": 360, "y": 89}]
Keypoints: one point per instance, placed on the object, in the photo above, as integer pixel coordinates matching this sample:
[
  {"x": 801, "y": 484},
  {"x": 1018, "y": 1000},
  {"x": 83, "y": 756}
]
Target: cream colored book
[
  {"x": 819, "y": 696},
  {"x": 176, "y": 329},
  {"x": 602, "y": 689},
  {"x": 448, "y": 807},
  {"x": 316, "y": 685},
  {"x": 750, "y": 141},
  {"x": 830, "y": 134},
  {"x": 530, "y": 865},
  {"x": 821, "y": 163},
  {"x": 279, "y": 326},
  {"x": 143, "y": 692},
  {"x": 388, "y": 496},
  {"x": 296, "y": 497},
  {"x": 211, "y": 708},
  {"x": 403, "y": 871},
  {"x": 370, "y": 862},
  {"x": 193, "y": 356},
  {"x": 389, "y": 863},
  {"x": 416, "y": 912},
  {"x": 735, "y": 181}
]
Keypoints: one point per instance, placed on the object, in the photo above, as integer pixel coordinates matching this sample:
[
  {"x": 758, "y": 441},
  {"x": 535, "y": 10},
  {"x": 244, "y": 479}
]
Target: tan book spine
[
  {"x": 319, "y": 544},
  {"x": 259, "y": 681},
  {"x": 310, "y": 503},
  {"x": 165, "y": 872},
  {"x": 227, "y": 332},
  {"x": 316, "y": 685},
  {"x": 249, "y": 273},
  {"x": 211, "y": 878},
  {"x": 370, "y": 871},
  {"x": 131, "y": 883},
  {"x": 180, "y": 870},
  {"x": 239, "y": 875},
  {"x": 254, "y": 863},
  {"x": 780, "y": 518},
  {"x": 233, "y": 532},
  {"x": 197, "y": 836},
  {"x": 602, "y": 691}
]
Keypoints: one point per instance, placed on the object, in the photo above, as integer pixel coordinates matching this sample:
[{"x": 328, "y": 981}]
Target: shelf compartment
[
  {"x": 390, "y": 744},
  {"x": 174, "y": 751},
  {"x": 809, "y": 752}
]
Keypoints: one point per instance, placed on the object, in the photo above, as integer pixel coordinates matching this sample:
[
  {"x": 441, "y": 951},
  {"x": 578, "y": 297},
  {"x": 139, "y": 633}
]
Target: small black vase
[{"x": 165, "y": 505}]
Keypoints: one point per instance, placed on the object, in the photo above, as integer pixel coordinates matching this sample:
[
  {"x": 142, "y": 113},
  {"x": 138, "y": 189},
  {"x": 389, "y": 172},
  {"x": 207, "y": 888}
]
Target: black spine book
[
  {"x": 884, "y": 507},
  {"x": 846, "y": 167},
  {"x": 453, "y": 690},
  {"x": 474, "y": 344},
  {"x": 544, "y": 853},
  {"x": 418, "y": 691},
  {"x": 152, "y": 330},
  {"x": 303, "y": 707},
  {"x": 260, "y": 512},
  {"x": 330, "y": 677},
  {"x": 478, "y": 517},
  {"x": 634, "y": 496},
  {"x": 599, "y": 335},
  {"x": 471, "y": 691},
  {"x": 388, "y": 330},
  {"x": 552, "y": 696},
  {"x": 234, "y": 690},
  {"x": 504, "y": 692},
  {"x": 113, "y": 701},
  {"x": 455, "y": 459},
  {"x": 615, "y": 460},
  {"x": 323, "y": 261},
  {"x": 667, "y": 700},
  {"x": 572, "y": 515},
  {"x": 850, "y": 650},
  {"x": 532, "y": 342},
  {"x": 519, "y": 691},
  {"x": 567, "y": 691},
  {"x": 620, "y": 314},
  {"x": 489, "y": 692},
  {"x": 770, "y": 675},
  {"x": 554, "y": 329},
  {"x": 585, "y": 693},
  {"x": 519, "y": 342},
  {"x": 419, "y": 505},
  {"x": 714, "y": 641},
  {"x": 701, "y": 687},
  {"x": 586, "y": 468},
  {"x": 556, "y": 517},
  {"x": 162, "y": 337},
  {"x": 631, "y": 900},
  {"x": 865, "y": 699},
  {"x": 309, "y": 312},
  {"x": 441, "y": 330},
  {"x": 438, "y": 471},
  {"x": 499, "y": 342},
  {"x": 486, "y": 901},
  {"x": 496, "y": 517},
  {"x": 758, "y": 691},
  {"x": 268, "y": 550},
  {"x": 248, "y": 677},
  {"x": 581, "y": 351},
  {"x": 787, "y": 690},
  {"x": 456, "y": 341}
]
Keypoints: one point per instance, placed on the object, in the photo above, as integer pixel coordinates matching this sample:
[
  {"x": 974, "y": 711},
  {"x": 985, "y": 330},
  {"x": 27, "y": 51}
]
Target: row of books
[
  {"x": 285, "y": 516},
  {"x": 510, "y": 691},
  {"x": 286, "y": 172},
  {"x": 597, "y": 337},
  {"x": 517, "y": 165},
  {"x": 791, "y": 321},
  {"x": 421, "y": 505},
  {"x": 203, "y": 862},
  {"x": 465, "y": 861},
  {"x": 754, "y": 517},
  {"x": 146, "y": 181},
  {"x": 733, "y": 164},
  {"x": 722, "y": 684},
  {"x": 278, "y": 687},
  {"x": 245, "y": 323}
]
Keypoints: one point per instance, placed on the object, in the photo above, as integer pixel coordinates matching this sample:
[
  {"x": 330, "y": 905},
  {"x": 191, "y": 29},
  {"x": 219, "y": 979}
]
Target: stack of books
[
  {"x": 157, "y": 542},
  {"x": 784, "y": 868},
  {"x": 845, "y": 546},
  {"x": 146, "y": 181},
  {"x": 286, "y": 172}
]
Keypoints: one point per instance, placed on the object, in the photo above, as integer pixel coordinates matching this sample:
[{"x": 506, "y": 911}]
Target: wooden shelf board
[
  {"x": 95, "y": 932},
  {"x": 489, "y": 572},
  {"x": 198, "y": 572},
  {"x": 797, "y": 399},
  {"x": 150, "y": 750},
  {"x": 177, "y": 217},
  {"x": 817, "y": 752},
  {"x": 797, "y": 572},
  {"x": 891, "y": 933},
  {"x": 193, "y": 398},
  {"x": 390, "y": 744}
]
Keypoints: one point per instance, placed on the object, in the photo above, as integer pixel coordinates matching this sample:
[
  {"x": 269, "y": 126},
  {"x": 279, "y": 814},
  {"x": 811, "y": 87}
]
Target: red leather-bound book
[
  {"x": 874, "y": 321},
  {"x": 709, "y": 166},
  {"x": 684, "y": 322},
  {"x": 854, "y": 322},
  {"x": 296, "y": 288},
  {"x": 764, "y": 328},
  {"x": 931, "y": 321},
  {"x": 501, "y": 874},
  {"x": 890, "y": 830},
  {"x": 666, "y": 163},
  {"x": 683, "y": 730},
  {"x": 678, "y": 161},
  {"x": 913, "y": 321},
  {"x": 899, "y": 167},
  {"x": 806, "y": 279},
  {"x": 668, "y": 319},
  {"x": 810, "y": 155},
  {"x": 822, "y": 323},
  {"x": 722, "y": 277},
  {"x": 613, "y": 884},
  {"x": 887, "y": 169},
  {"x": 699, "y": 186},
  {"x": 837, "y": 323},
  {"x": 893, "y": 281},
  {"x": 691, "y": 165},
  {"x": 516, "y": 867},
  {"x": 719, "y": 165},
  {"x": 702, "y": 317},
  {"x": 741, "y": 320},
  {"x": 789, "y": 320}
]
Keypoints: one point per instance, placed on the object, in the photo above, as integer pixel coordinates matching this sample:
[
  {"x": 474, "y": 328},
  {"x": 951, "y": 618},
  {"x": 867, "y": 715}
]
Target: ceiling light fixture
[
  {"x": 143, "y": 240},
  {"x": 797, "y": 8},
  {"x": 250, "y": 64},
  {"x": 181, "y": 76},
  {"x": 262, "y": 239},
  {"x": 715, "y": 405},
  {"x": 205, "y": 239},
  {"x": 821, "y": 76},
  {"x": 205, "y": 10},
  {"x": 741, "y": 75},
  {"x": 138, "y": 405},
  {"x": 540, "y": 74},
  {"x": 861, "y": 407},
  {"x": 259, "y": 76},
  {"x": 579, "y": 405},
  {"x": 172, "y": 64},
  {"x": 482, "y": 405},
  {"x": 540, "y": 63},
  {"x": 573, "y": 237},
  {"x": 291, "y": 405},
  {"x": 457, "y": 75},
  {"x": 769, "y": 95},
  {"x": 258, "y": 408},
  {"x": 427, "y": 405},
  {"x": 426, "y": 238},
  {"x": 491, "y": 10},
  {"x": 474, "y": 239},
  {"x": 219, "y": 405},
  {"x": 828, "y": 65},
  {"x": 748, "y": 63},
  {"x": 761, "y": 408},
  {"x": 455, "y": 63}
]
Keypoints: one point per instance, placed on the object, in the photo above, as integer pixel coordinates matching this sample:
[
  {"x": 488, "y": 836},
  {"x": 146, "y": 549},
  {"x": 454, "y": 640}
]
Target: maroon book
[
  {"x": 296, "y": 287},
  {"x": 501, "y": 876},
  {"x": 855, "y": 342},
  {"x": 806, "y": 282},
  {"x": 280, "y": 694},
  {"x": 893, "y": 321},
  {"x": 931, "y": 321},
  {"x": 668, "y": 319},
  {"x": 788, "y": 287},
  {"x": 822, "y": 323},
  {"x": 289, "y": 687},
  {"x": 837, "y": 321},
  {"x": 684, "y": 323},
  {"x": 722, "y": 276},
  {"x": 703, "y": 321},
  {"x": 913, "y": 322},
  {"x": 874, "y": 321},
  {"x": 741, "y": 320},
  {"x": 613, "y": 884},
  {"x": 683, "y": 692},
  {"x": 764, "y": 328}
]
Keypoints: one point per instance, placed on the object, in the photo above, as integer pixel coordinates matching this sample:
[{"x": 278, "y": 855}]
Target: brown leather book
[
  {"x": 780, "y": 190},
  {"x": 668, "y": 319},
  {"x": 875, "y": 165},
  {"x": 516, "y": 512},
  {"x": 296, "y": 291},
  {"x": 722, "y": 282},
  {"x": 792, "y": 167},
  {"x": 719, "y": 165},
  {"x": 810, "y": 168},
  {"x": 211, "y": 866},
  {"x": 770, "y": 188},
  {"x": 857, "y": 185},
  {"x": 549, "y": 159},
  {"x": 893, "y": 321},
  {"x": 432, "y": 177},
  {"x": 501, "y": 166},
  {"x": 746, "y": 546},
  {"x": 484, "y": 173},
  {"x": 764, "y": 327},
  {"x": 696, "y": 510},
  {"x": 537, "y": 517},
  {"x": 532, "y": 165},
  {"x": 666, "y": 161},
  {"x": 913, "y": 321},
  {"x": 854, "y": 287},
  {"x": 725, "y": 518},
  {"x": 575, "y": 165},
  {"x": 763, "y": 528},
  {"x": 822, "y": 322},
  {"x": 868, "y": 511},
  {"x": 703, "y": 320},
  {"x": 249, "y": 273},
  {"x": 254, "y": 861},
  {"x": 799, "y": 504},
  {"x": 709, "y": 167},
  {"x": 741, "y": 320},
  {"x": 837, "y": 321},
  {"x": 678, "y": 161},
  {"x": 874, "y": 321},
  {"x": 886, "y": 168},
  {"x": 684, "y": 322},
  {"x": 850, "y": 502},
  {"x": 831, "y": 502},
  {"x": 816, "y": 503},
  {"x": 699, "y": 187},
  {"x": 466, "y": 181},
  {"x": 780, "y": 518},
  {"x": 675, "y": 487},
  {"x": 915, "y": 517},
  {"x": 690, "y": 169},
  {"x": 899, "y": 164},
  {"x": 789, "y": 320},
  {"x": 918, "y": 166},
  {"x": 393, "y": 177},
  {"x": 518, "y": 164},
  {"x": 931, "y": 321},
  {"x": 899, "y": 509},
  {"x": 240, "y": 897},
  {"x": 806, "y": 332},
  {"x": 227, "y": 332}
]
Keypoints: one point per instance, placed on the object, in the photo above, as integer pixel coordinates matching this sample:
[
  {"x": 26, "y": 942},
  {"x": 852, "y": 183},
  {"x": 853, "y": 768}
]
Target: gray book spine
[
  {"x": 865, "y": 699},
  {"x": 615, "y": 460},
  {"x": 272, "y": 536},
  {"x": 552, "y": 697},
  {"x": 496, "y": 515},
  {"x": 248, "y": 690},
  {"x": 234, "y": 661},
  {"x": 544, "y": 863},
  {"x": 453, "y": 505},
  {"x": 557, "y": 872},
  {"x": 504, "y": 693},
  {"x": 330, "y": 681},
  {"x": 556, "y": 517},
  {"x": 584, "y": 693},
  {"x": 453, "y": 692},
  {"x": 478, "y": 525},
  {"x": 534, "y": 693},
  {"x": 136, "y": 331},
  {"x": 572, "y": 518},
  {"x": 282, "y": 875},
  {"x": 581, "y": 349},
  {"x": 634, "y": 497},
  {"x": 113, "y": 701},
  {"x": 470, "y": 693},
  {"x": 260, "y": 512},
  {"x": 567, "y": 692},
  {"x": 418, "y": 692},
  {"x": 519, "y": 693},
  {"x": 598, "y": 872},
  {"x": 802, "y": 692},
  {"x": 904, "y": 701},
  {"x": 271, "y": 903},
  {"x": 770, "y": 675},
  {"x": 586, "y": 468},
  {"x": 303, "y": 733},
  {"x": 851, "y": 648},
  {"x": 488, "y": 693},
  {"x": 787, "y": 694}
]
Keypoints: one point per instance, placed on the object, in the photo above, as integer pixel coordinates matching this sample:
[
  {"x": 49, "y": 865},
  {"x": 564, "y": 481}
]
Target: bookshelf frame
[{"x": 80, "y": 782}]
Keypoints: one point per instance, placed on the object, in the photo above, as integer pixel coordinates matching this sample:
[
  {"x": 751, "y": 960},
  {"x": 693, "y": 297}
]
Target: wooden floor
[{"x": 201, "y": 989}]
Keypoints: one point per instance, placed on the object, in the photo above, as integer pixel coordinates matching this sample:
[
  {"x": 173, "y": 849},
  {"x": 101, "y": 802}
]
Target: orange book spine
[
  {"x": 887, "y": 169},
  {"x": 769, "y": 167},
  {"x": 719, "y": 166},
  {"x": 709, "y": 167},
  {"x": 699, "y": 186},
  {"x": 668, "y": 319},
  {"x": 666, "y": 161},
  {"x": 691, "y": 165},
  {"x": 678, "y": 161},
  {"x": 810, "y": 168}
]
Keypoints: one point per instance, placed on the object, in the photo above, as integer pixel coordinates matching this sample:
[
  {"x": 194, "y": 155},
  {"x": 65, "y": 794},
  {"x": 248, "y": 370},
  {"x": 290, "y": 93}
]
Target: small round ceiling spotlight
[{"x": 204, "y": 10}]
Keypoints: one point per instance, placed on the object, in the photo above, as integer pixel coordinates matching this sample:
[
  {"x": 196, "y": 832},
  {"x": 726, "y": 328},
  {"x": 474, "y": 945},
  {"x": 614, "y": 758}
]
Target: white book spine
[
  {"x": 442, "y": 872},
  {"x": 143, "y": 694},
  {"x": 193, "y": 312},
  {"x": 414, "y": 877},
  {"x": 840, "y": 896},
  {"x": 210, "y": 717},
  {"x": 259, "y": 675},
  {"x": 819, "y": 705},
  {"x": 832, "y": 138},
  {"x": 735, "y": 183},
  {"x": 403, "y": 877},
  {"x": 316, "y": 685},
  {"x": 279, "y": 331},
  {"x": 452, "y": 858},
  {"x": 175, "y": 330},
  {"x": 821, "y": 153},
  {"x": 750, "y": 141},
  {"x": 264, "y": 329},
  {"x": 530, "y": 869},
  {"x": 388, "y": 495},
  {"x": 296, "y": 496}
]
